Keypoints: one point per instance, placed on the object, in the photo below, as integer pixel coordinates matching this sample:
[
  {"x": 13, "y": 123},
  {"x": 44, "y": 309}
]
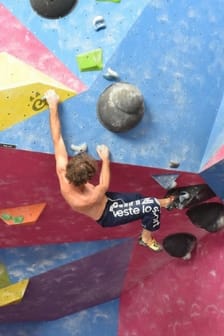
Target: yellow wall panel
[{"x": 22, "y": 89}]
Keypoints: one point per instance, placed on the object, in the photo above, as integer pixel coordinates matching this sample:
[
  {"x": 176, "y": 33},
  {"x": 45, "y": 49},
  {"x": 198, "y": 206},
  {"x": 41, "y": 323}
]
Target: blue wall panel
[{"x": 216, "y": 138}]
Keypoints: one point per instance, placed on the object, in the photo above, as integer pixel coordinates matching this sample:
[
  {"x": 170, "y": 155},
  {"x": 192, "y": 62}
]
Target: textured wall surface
[{"x": 173, "y": 52}]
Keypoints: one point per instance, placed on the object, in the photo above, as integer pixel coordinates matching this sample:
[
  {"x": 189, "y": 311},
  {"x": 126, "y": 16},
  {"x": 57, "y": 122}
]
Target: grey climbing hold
[
  {"x": 120, "y": 107},
  {"x": 53, "y": 9},
  {"x": 111, "y": 75},
  {"x": 99, "y": 23},
  {"x": 167, "y": 181}
]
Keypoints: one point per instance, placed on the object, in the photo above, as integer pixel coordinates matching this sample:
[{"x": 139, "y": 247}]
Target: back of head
[{"x": 80, "y": 169}]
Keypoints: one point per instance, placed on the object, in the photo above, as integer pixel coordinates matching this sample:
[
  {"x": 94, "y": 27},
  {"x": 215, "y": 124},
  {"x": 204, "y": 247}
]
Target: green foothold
[
  {"x": 18, "y": 219},
  {"x": 6, "y": 217},
  {"x": 90, "y": 61}
]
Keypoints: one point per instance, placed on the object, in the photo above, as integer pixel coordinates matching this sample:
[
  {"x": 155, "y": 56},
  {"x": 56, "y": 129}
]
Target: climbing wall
[{"x": 59, "y": 271}]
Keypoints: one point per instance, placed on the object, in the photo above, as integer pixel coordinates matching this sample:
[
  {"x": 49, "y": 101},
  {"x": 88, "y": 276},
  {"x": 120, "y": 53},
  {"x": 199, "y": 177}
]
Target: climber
[{"x": 95, "y": 201}]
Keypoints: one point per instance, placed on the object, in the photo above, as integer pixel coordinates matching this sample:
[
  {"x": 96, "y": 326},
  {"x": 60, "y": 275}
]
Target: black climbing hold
[
  {"x": 53, "y": 9},
  {"x": 208, "y": 216},
  {"x": 120, "y": 107},
  {"x": 185, "y": 197},
  {"x": 180, "y": 245}
]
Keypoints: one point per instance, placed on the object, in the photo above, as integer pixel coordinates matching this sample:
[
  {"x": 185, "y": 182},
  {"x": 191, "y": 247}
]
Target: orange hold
[{"x": 26, "y": 214}]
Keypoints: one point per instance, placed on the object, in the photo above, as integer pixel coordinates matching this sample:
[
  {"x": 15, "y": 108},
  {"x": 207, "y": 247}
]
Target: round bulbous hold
[
  {"x": 208, "y": 216},
  {"x": 53, "y": 9},
  {"x": 180, "y": 245},
  {"x": 120, "y": 107}
]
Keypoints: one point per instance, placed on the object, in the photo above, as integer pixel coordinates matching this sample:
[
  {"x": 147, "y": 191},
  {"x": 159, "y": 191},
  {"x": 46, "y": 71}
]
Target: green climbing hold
[
  {"x": 18, "y": 219},
  {"x": 6, "y": 217},
  {"x": 90, "y": 61},
  {"x": 14, "y": 219}
]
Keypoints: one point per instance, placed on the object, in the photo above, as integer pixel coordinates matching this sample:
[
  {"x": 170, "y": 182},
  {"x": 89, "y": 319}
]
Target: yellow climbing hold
[{"x": 13, "y": 293}]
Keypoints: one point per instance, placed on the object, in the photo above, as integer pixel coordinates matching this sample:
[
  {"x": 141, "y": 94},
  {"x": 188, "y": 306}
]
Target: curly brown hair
[{"x": 80, "y": 169}]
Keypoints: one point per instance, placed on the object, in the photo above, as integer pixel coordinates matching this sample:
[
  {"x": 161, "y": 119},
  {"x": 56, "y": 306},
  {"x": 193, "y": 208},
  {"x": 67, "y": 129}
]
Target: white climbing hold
[
  {"x": 111, "y": 74},
  {"x": 99, "y": 23},
  {"x": 184, "y": 195},
  {"x": 172, "y": 185},
  {"x": 79, "y": 148}
]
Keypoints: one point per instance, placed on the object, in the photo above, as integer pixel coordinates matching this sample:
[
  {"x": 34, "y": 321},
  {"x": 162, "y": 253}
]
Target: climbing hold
[
  {"x": 111, "y": 75},
  {"x": 208, "y": 216},
  {"x": 13, "y": 293},
  {"x": 18, "y": 219},
  {"x": 79, "y": 148},
  {"x": 7, "y": 145},
  {"x": 30, "y": 214},
  {"x": 181, "y": 200},
  {"x": 186, "y": 197},
  {"x": 92, "y": 60},
  {"x": 6, "y": 217},
  {"x": 174, "y": 164},
  {"x": 99, "y": 23},
  {"x": 167, "y": 181},
  {"x": 180, "y": 245},
  {"x": 53, "y": 9},
  {"x": 120, "y": 107}
]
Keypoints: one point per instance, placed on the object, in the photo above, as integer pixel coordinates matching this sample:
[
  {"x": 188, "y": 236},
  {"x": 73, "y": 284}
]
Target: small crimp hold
[
  {"x": 79, "y": 148},
  {"x": 174, "y": 164},
  {"x": 184, "y": 195},
  {"x": 99, "y": 23},
  {"x": 111, "y": 75},
  {"x": 172, "y": 185}
]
